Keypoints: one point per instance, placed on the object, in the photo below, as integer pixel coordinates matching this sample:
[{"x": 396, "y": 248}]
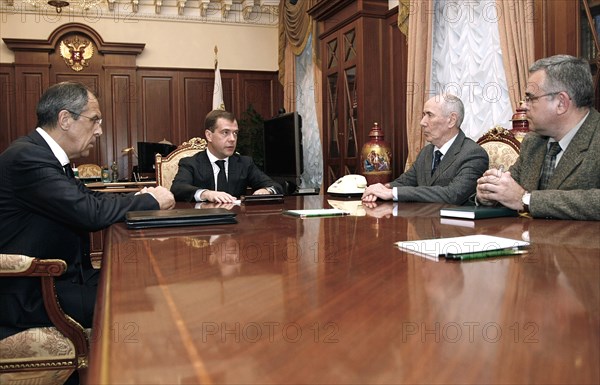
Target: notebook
[
  {"x": 179, "y": 217},
  {"x": 262, "y": 199},
  {"x": 478, "y": 212}
]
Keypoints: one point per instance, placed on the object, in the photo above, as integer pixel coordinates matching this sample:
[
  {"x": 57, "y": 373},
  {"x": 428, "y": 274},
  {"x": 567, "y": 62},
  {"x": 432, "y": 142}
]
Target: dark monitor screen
[
  {"x": 146, "y": 153},
  {"x": 283, "y": 145}
]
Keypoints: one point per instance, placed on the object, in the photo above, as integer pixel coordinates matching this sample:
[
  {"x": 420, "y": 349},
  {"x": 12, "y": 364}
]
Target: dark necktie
[
  {"x": 549, "y": 164},
  {"x": 436, "y": 160},
  {"x": 221, "y": 177},
  {"x": 69, "y": 171}
]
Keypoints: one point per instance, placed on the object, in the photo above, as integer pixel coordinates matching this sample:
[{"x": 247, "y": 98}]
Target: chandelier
[{"x": 60, "y": 4}]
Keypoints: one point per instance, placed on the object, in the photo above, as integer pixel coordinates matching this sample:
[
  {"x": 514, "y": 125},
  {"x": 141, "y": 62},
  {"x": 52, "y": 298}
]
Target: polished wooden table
[
  {"x": 281, "y": 300},
  {"x": 119, "y": 187}
]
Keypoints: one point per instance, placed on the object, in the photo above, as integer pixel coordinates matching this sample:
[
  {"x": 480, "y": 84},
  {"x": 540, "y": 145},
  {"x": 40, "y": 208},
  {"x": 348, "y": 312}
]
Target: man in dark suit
[
  {"x": 198, "y": 178},
  {"x": 448, "y": 177},
  {"x": 557, "y": 174},
  {"x": 46, "y": 213}
]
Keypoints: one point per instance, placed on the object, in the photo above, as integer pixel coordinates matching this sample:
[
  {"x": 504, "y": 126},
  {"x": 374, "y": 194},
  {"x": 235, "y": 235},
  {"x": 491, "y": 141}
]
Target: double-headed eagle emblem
[{"x": 76, "y": 53}]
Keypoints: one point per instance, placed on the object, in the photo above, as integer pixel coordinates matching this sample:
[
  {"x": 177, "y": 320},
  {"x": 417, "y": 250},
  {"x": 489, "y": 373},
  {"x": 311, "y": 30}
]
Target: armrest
[{"x": 16, "y": 265}]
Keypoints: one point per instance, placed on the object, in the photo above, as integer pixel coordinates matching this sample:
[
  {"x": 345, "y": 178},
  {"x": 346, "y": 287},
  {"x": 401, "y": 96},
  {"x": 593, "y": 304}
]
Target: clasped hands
[
  {"x": 498, "y": 186},
  {"x": 163, "y": 196},
  {"x": 377, "y": 190}
]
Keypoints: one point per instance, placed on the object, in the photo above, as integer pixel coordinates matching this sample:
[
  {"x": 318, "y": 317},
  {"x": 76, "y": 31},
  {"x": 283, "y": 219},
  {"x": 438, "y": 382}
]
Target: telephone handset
[{"x": 348, "y": 185}]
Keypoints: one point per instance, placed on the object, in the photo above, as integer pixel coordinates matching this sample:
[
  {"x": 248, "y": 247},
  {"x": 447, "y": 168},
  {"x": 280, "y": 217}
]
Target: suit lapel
[
  {"x": 428, "y": 164},
  {"x": 235, "y": 172},
  {"x": 206, "y": 169},
  {"x": 575, "y": 153},
  {"x": 448, "y": 158}
]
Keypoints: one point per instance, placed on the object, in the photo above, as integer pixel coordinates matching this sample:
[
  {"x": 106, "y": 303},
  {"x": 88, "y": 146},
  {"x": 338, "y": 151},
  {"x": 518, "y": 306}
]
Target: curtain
[
  {"x": 419, "y": 71},
  {"x": 467, "y": 61},
  {"x": 517, "y": 42},
  {"x": 403, "y": 12},
  {"x": 300, "y": 77},
  {"x": 295, "y": 27}
]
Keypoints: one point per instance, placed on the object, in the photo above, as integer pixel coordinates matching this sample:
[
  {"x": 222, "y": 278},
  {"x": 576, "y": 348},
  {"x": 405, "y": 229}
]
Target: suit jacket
[
  {"x": 46, "y": 214},
  {"x": 574, "y": 189},
  {"x": 455, "y": 179},
  {"x": 196, "y": 172}
]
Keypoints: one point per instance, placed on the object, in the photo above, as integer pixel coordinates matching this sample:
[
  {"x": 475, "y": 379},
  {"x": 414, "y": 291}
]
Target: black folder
[
  {"x": 262, "y": 199},
  {"x": 179, "y": 217}
]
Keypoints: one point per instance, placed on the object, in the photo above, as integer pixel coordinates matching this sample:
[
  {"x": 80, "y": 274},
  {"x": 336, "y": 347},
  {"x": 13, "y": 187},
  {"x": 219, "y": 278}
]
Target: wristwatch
[{"x": 525, "y": 199}]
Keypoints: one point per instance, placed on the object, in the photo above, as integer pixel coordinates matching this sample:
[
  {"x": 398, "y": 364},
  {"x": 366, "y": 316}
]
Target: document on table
[
  {"x": 465, "y": 245},
  {"x": 310, "y": 213}
]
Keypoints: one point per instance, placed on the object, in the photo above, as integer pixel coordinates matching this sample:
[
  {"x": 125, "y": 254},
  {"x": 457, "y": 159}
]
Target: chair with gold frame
[
  {"x": 89, "y": 171},
  {"x": 167, "y": 166},
  {"x": 42, "y": 355},
  {"x": 502, "y": 147}
]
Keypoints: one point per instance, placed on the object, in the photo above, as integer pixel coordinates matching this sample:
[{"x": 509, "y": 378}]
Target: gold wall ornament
[{"x": 77, "y": 53}]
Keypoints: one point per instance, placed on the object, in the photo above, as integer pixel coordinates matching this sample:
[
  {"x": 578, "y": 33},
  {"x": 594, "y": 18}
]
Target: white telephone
[{"x": 348, "y": 185}]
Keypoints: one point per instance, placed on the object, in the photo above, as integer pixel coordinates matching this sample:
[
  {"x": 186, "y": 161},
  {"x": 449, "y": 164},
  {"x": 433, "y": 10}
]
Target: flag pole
[{"x": 216, "y": 58}]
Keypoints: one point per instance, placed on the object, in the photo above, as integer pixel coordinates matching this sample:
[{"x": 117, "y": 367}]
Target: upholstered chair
[
  {"x": 502, "y": 147},
  {"x": 167, "y": 166},
  {"x": 42, "y": 355},
  {"x": 89, "y": 171}
]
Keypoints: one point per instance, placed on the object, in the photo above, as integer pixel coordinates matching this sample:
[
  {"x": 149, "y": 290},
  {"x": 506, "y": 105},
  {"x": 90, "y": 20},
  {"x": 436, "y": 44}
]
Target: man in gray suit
[
  {"x": 563, "y": 183},
  {"x": 446, "y": 170}
]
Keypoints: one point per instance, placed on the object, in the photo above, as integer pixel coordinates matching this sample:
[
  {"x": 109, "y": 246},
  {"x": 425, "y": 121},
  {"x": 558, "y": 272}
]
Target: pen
[
  {"x": 323, "y": 215},
  {"x": 486, "y": 254}
]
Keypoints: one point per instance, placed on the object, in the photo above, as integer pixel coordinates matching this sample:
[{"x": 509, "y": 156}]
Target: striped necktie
[{"x": 549, "y": 164}]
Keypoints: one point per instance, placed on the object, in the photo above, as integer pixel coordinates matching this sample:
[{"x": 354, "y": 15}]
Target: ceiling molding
[{"x": 247, "y": 12}]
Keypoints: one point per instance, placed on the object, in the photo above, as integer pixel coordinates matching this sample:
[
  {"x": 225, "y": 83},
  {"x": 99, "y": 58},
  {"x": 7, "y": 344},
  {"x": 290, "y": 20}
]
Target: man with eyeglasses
[
  {"x": 45, "y": 212},
  {"x": 219, "y": 174},
  {"x": 557, "y": 174}
]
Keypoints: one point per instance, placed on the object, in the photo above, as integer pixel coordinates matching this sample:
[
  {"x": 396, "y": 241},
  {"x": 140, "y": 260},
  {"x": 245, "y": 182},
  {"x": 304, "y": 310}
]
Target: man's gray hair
[
  {"x": 70, "y": 96},
  {"x": 567, "y": 73},
  {"x": 452, "y": 104}
]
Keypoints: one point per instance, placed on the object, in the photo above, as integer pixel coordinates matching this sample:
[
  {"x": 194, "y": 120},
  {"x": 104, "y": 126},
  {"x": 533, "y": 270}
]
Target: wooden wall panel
[
  {"x": 158, "y": 119},
  {"x": 556, "y": 27},
  {"x": 34, "y": 83},
  {"x": 120, "y": 115},
  {"x": 260, "y": 92},
  {"x": 7, "y": 106},
  {"x": 395, "y": 90},
  {"x": 196, "y": 102}
]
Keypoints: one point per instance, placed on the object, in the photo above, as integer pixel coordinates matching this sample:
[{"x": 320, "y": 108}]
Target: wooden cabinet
[
  {"x": 341, "y": 107},
  {"x": 562, "y": 27},
  {"x": 354, "y": 40},
  {"x": 589, "y": 40}
]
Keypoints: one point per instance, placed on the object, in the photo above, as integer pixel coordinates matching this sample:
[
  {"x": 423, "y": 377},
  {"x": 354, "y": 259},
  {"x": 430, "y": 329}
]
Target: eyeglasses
[
  {"x": 532, "y": 98},
  {"x": 95, "y": 120}
]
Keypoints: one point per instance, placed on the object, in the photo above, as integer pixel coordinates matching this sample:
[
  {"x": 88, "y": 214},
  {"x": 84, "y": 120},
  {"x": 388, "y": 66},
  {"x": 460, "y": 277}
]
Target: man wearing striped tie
[{"x": 557, "y": 174}]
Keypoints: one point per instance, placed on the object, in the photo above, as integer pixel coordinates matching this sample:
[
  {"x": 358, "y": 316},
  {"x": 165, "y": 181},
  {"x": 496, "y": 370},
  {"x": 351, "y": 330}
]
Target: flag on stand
[{"x": 218, "y": 103}]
